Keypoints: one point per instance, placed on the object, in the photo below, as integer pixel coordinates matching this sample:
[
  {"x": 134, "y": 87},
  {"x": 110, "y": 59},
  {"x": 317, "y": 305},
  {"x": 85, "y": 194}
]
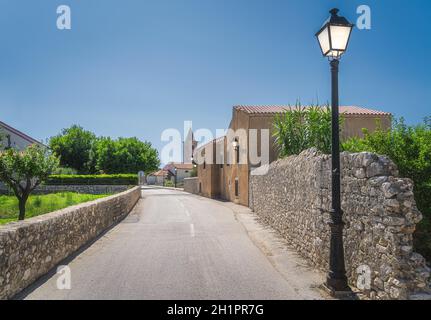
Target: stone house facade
[
  {"x": 228, "y": 178},
  {"x": 181, "y": 170},
  {"x": 13, "y": 138},
  {"x": 157, "y": 178}
]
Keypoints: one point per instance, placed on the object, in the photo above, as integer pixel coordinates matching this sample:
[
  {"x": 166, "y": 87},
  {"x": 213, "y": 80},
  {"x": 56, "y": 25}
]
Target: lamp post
[
  {"x": 333, "y": 39},
  {"x": 175, "y": 169}
]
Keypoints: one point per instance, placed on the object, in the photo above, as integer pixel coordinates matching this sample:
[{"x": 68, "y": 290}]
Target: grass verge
[{"x": 41, "y": 204}]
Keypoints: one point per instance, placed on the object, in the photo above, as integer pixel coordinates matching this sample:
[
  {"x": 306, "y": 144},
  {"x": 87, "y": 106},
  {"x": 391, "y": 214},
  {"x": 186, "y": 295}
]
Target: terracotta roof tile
[
  {"x": 183, "y": 166},
  {"x": 349, "y": 110},
  {"x": 159, "y": 173}
]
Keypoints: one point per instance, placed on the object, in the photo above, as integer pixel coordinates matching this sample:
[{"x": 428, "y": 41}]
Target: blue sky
[{"x": 137, "y": 67}]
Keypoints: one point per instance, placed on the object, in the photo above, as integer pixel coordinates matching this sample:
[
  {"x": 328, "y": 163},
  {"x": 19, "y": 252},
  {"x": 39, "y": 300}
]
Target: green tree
[
  {"x": 125, "y": 155},
  {"x": 74, "y": 147},
  {"x": 23, "y": 171}
]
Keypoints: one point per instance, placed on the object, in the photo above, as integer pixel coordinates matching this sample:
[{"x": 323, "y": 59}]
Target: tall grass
[
  {"x": 41, "y": 204},
  {"x": 301, "y": 128}
]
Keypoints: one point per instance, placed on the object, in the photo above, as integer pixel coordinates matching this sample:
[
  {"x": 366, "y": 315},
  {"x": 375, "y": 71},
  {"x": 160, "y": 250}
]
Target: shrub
[
  {"x": 302, "y": 128},
  {"x": 168, "y": 183},
  {"x": 104, "y": 179},
  {"x": 408, "y": 146},
  {"x": 65, "y": 170}
]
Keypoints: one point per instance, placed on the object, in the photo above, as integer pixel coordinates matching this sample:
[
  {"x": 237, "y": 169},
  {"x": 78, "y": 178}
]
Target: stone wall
[
  {"x": 191, "y": 185},
  {"x": 380, "y": 214},
  {"x": 30, "y": 248},
  {"x": 89, "y": 189}
]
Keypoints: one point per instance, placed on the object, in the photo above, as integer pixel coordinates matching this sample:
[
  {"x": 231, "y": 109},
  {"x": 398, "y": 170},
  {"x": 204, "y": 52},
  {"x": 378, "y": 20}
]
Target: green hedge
[{"x": 103, "y": 179}]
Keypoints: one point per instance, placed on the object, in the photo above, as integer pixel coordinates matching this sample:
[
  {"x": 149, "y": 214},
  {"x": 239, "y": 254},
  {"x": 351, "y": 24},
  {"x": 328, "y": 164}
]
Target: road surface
[{"x": 175, "y": 245}]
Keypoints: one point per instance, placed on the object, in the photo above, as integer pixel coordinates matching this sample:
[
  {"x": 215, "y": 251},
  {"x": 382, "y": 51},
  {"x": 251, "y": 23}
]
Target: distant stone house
[
  {"x": 157, "y": 178},
  {"x": 13, "y": 138},
  {"x": 183, "y": 170},
  {"x": 229, "y": 180}
]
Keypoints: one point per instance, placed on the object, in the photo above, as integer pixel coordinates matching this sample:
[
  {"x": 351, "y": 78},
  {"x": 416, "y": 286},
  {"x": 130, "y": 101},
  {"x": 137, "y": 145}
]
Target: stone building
[
  {"x": 227, "y": 178},
  {"x": 157, "y": 178},
  {"x": 13, "y": 138},
  {"x": 181, "y": 170}
]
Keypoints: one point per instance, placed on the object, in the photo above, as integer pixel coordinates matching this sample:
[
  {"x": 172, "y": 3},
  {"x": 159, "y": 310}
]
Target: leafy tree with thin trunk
[
  {"x": 74, "y": 147},
  {"x": 23, "y": 171},
  {"x": 125, "y": 155}
]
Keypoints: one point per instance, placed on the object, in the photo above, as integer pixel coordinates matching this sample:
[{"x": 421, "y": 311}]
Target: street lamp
[
  {"x": 333, "y": 39},
  {"x": 334, "y": 35},
  {"x": 193, "y": 162}
]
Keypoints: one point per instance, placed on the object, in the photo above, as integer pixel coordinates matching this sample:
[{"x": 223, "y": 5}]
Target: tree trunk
[{"x": 22, "y": 202}]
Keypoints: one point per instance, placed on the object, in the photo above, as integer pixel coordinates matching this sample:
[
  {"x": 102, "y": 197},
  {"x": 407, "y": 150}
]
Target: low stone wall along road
[{"x": 174, "y": 245}]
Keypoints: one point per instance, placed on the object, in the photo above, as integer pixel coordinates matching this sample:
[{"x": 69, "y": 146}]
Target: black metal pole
[
  {"x": 175, "y": 179},
  {"x": 336, "y": 280}
]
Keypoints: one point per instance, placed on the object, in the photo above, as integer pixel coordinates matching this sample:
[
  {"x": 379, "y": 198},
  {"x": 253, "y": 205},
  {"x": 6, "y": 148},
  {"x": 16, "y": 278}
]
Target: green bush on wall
[
  {"x": 409, "y": 146},
  {"x": 301, "y": 128},
  {"x": 102, "y": 179}
]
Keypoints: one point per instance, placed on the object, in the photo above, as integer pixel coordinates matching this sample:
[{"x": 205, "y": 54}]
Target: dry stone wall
[
  {"x": 380, "y": 214},
  {"x": 30, "y": 248}
]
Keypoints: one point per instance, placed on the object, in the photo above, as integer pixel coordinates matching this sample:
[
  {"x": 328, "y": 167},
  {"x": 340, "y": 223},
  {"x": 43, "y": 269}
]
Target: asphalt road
[{"x": 174, "y": 246}]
